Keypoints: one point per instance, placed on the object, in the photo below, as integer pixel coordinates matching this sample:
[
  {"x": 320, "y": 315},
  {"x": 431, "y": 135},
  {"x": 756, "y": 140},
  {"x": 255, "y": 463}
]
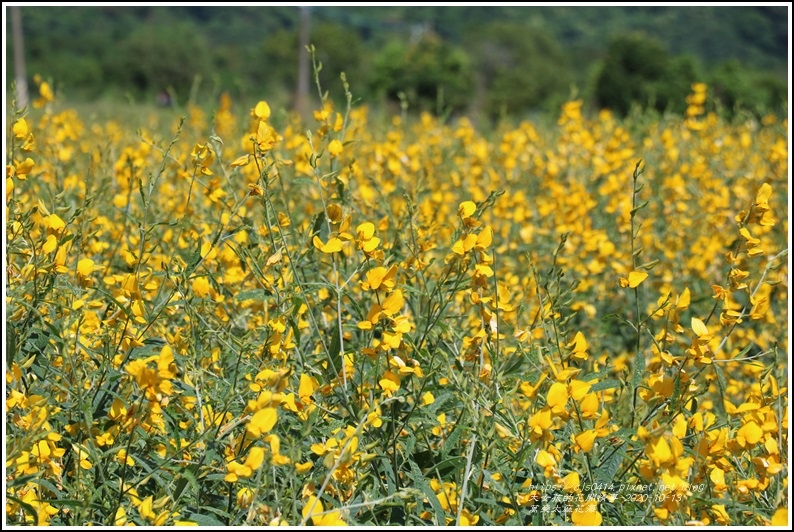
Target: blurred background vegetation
[{"x": 488, "y": 61}]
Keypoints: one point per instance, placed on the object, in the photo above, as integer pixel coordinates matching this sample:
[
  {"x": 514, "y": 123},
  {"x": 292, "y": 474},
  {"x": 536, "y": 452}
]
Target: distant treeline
[{"x": 492, "y": 60}]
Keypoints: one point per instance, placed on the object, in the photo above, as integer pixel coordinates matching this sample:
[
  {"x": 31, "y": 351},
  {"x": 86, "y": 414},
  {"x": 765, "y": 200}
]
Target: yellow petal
[
  {"x": 751, "y": 432},
  {"x": 256, "y": 456},
  {"x": 428, "y": 399},
  {"x": 50, "y": 245},
  {"x": 313, "y": 507},
  {"x": 659, "y": 451},
  {"x": 394, "y": 303},
  {"x": 262, "y": 421},
  {"x": 570, "y": 482},
  {"x": 579, "y": 343},
  {"x": 485, "y": 238},
  {"x": 579, "y": 389},
  {"x": 85, "y": 267},
  {"x": 635, "y": 278},
  {"x": 241, "y": 161},
  {"x": 365, "y": 231},
  {"x": 587, "y": 514},
  {"x": 589, "y": 406},
  {"x": 55, "y": 223},
  {"x": 332, "y": 246},
  {"x": 371, "y": 244},
  {"x": 466, "y": 209},
  {"x": 544, "y": 459},
  {"x": 557, "y": 396},
  {"x": 586, "y": 439},
  {"x": 781, "y": 517},
  {"x": 20, "y": 128},
  {"x": 334, "y": 212},
  {"x": 262, "y": 110},
  {"x": 306, "y": 387},
  {"x": 763, "y": 194},
  {"x": 335, "y": 148},
  {"x": 699, "y": 328},
  {"x": 201, "y": 286}
]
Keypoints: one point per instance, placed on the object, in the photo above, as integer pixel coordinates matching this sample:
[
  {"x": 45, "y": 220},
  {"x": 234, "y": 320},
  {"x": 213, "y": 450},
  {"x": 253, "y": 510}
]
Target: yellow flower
[
  {"x": 394, "y": 303},
  {"x": 579, "y": 347},
  {"x": 780, "y": 518},
  {"x": 201, "y": 286},
  {"x": 304, "y": 467},
  {"x": 332, "y": 246},
  {"x": 557, "y": 397},
  {"x": 255, "y": 459},
  {"x": 634, "y": 279},
  {"x": 390, "y": 383},
  {"x": 266, "y": 137},
  {"x": 335, "y": 148},
  {"x": 85, "y": 267},
  {"x": 313, "y": 509},
  {"x": 428, "y": 399},
  {"x": 367, "y": 242},
  {"x": 261, "y": 111},
  {"x": 586, "y": 439},
  {"x": 50, "y": 245},
  {"x": 587, "y": 514},
  {"x": 20, "y": 129},
  {"x": 241, "y": 161},
  {"x": 262, "y": 421},
  {"x": 21, "y": 170},
  {"x": 379, "y": 277},
  {"x": 244, "y": 497}
]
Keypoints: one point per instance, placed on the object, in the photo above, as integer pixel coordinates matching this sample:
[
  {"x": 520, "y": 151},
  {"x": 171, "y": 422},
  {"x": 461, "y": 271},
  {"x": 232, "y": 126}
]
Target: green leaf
[
  {"x": 605, "y": 385},
  {"x": 319, "y": 227},
  {"x": 639, "y": 369},
  {"x": 186, "y": 477},
  {"x": 205, "y": 520},
  {"x": 421, "y": 484},
  {"x": 11, "y": 345},
  {"x": 258, "y": 294},
  {"x": 46, "y": 484},
  {"x": 335, "y": 354},
  {"x": 720, "y": 379},
  {"x": 452, "y": 440},
  {"x": 597, "y": 375},
  {"x": 512, "y": 365},
  {"x": 65, "y": 502},
  {"x": 27, "y": 507},
  {"x": 676, "y": 390},
  {"x": 450, "y": 468},
  {"x": 607, "y": 470}
]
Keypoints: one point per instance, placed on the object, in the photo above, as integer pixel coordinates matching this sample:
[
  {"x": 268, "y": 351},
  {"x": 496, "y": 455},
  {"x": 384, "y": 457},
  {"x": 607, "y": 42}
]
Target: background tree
[
  {"x": 432, "y": 74},
  {"x": 160, "y": 56},
  {"x": 336, "y": 47},
  {"x": 519, "y": 68},
  {"x": 633, "y": 69},
  {"x": 737, "y": 87}
]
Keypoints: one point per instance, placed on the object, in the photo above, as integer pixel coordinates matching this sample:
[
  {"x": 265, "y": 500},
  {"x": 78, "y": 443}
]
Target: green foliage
[
  {"x": 157, "y": 57},
  {"x": 431, "y": 74},
  {"x": 637, "y": 70},
  {"x": 739, "y": 87},
  {"x": 519, "y": 69},
  {"x": 522, "y": 58},
  {"x": 337, "y": 48}
]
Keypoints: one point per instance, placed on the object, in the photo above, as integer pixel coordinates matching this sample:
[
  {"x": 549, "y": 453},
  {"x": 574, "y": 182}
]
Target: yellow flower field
[{"x": 236, "y": 319}]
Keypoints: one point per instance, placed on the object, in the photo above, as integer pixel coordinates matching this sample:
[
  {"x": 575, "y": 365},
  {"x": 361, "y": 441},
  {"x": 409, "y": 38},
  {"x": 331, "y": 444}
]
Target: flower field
[{"x": 240, "y": 319}]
